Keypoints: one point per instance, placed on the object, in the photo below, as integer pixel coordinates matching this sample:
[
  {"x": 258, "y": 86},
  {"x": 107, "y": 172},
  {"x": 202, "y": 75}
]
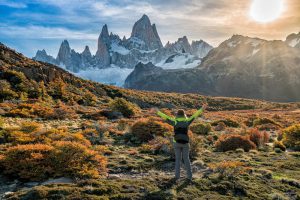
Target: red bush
[
  {"x": 258, "y": 138},
  {"x": 233, "y": 142}
]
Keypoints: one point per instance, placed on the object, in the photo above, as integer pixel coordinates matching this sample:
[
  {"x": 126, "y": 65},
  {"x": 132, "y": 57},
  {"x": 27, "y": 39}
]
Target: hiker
[{"x": 181, "y": 125}]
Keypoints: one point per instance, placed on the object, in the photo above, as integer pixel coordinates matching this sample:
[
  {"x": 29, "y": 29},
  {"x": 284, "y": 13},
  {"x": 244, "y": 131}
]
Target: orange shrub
[
  {"x": 233, "y": 142},
  {"x": 30, "y": 162},
  {"x": 123, "y": 106},
  {"x": 61, "y": 111},
  {"x": 29, "y": 127},
  {"x": 145, "y": 129},
  {"x": 39, "y": 161},
  {"x": 76, "y": 160}
]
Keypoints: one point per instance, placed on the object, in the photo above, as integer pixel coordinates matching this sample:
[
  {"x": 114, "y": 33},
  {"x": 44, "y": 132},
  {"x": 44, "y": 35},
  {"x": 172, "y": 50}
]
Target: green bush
[
  {"x": 228, "y": 122},
  {"x": 1, "y": 122},
  {"x": 291, "y": 137},
  {"x": 127, "y": 108},
  {"x": 201, "y": 128},
  {"x": 279, "y": 145},
  {"x": 5, "y": 91},
  {"x": 264, "y": 120}
]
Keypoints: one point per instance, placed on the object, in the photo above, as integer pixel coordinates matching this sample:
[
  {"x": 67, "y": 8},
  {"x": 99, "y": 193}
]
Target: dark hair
[{"x": 180, "y": 113}]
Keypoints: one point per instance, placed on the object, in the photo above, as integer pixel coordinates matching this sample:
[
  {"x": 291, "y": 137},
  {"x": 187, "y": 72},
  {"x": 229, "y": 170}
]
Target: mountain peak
[
  {"x": 65, "y": 44},
  {"x": 104, "y": 33},
  {"x": 145, "y": 18},
  {"x": 146, "y": 32},
  {"x": 64, "y": 52},
  {"x": 86, "y": 50}
]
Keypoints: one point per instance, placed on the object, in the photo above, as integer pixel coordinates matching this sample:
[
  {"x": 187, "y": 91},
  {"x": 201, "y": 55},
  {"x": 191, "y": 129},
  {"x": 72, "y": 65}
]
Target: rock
[
  {"x": 109, "y": 114},
  {"x": 58, "y": 180},
  {"x": 31, "y": 184},
  {"x": 114, "y": 176},
  {"x": 199, "y": 164},
  {"x": 6, "y": 194},
  {"x": 102, "y": 55}
]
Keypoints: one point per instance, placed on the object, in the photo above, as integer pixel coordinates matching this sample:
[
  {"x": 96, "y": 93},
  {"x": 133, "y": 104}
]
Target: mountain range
[
  {"x": 240, "y": 67},
  {"x": 144, "y": 45}
]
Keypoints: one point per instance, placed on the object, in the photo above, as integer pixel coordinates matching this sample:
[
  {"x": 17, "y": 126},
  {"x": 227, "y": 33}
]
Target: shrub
[
  {"x": 201, "y": 128},
  {"x": 291, "y": 137},
  {"x": 264, "y": 120},
  {"x": 228, "y": 122},
  {"x": 157, "y": 145},
  {"x": 92, "y": 135},
  {"x": 54, "y": 135},
  {"x": 1, "y": 122},
  {"x": 39, "y": 161},
  {"x": 76, "y": 160},
  {"x": 220, "y": 127},
  {"x": 61, "y": 111},
  {"x": 258, "y": 138},
  {"x": 30, "y": 162},
  {"x": 195, "y": 145},
  {"x": 233, "y": 142},
  {"x": 128, "y": 109},
  {"x": 228, "y": 169},
  {"x": 145, "y": 129},
  {"x": 17, "y": 136},
  {"x": 29, "y": 127},
  {"x": 279, "y": 144}
]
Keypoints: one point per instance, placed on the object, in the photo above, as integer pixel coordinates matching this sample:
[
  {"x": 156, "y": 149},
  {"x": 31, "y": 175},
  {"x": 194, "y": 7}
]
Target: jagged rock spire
[
  {"x": 64, "y": 52},
  {"x": 102, "y": 54},
  {"x": 146, "y": 32}
]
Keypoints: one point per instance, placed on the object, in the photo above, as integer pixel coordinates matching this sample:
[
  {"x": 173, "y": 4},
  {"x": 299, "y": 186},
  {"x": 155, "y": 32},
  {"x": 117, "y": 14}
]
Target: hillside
[
  {"x": 239, "y": 67},
  {"x": 62, "y": 137}
]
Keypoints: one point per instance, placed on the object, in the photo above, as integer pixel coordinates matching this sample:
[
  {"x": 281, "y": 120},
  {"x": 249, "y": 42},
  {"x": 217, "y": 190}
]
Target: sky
[{"x": 29, "y": 25}]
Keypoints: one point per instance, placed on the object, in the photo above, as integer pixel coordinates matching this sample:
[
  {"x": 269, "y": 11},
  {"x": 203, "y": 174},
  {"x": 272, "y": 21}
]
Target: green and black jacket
[{"x": 181, "y": 125}]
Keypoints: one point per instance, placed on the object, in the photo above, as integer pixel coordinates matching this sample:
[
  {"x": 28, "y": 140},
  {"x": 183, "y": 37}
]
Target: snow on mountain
[
  {"x": 178, "y": 61},
  {"x": 119, "y": 49}
]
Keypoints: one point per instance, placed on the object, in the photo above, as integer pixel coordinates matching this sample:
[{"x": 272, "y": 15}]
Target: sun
[{"x": 265, "y": 11}]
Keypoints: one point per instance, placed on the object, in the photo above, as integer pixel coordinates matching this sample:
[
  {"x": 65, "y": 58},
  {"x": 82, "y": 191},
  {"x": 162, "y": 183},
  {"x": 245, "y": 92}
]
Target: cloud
[
  {"x": 12, "y": 4},
  {"x": 31, "y": 32}
]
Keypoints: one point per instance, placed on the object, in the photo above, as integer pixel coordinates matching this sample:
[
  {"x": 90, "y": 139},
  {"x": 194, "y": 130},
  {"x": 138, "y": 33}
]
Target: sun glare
[{"x": 265, "y": 11}]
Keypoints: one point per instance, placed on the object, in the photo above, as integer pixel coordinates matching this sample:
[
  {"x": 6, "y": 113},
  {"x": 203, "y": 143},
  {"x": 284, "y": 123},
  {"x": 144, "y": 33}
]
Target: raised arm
[
  {"x": 169, "y": 119},
  {"x": 197, "y": 114}
]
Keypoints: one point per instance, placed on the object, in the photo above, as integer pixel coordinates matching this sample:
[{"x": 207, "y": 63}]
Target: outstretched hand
[
  {"x": 204, "y": 106},
  {"x": 154, "y": 110}
]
